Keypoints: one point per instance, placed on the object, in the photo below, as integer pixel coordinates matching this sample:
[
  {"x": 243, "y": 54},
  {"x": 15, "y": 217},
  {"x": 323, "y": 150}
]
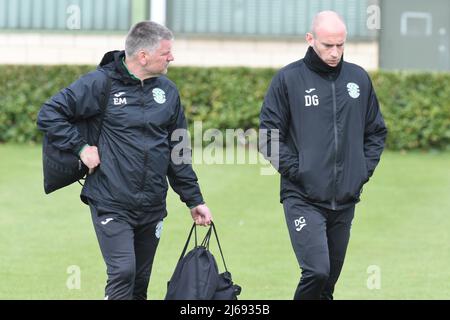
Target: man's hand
[
  {"x": 90, "y": 157},
  {"x": 201, "y": 215}
]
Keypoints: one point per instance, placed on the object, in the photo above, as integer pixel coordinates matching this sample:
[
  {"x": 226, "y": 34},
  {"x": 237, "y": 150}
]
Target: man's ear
[
  {"x": 310, "y": 39},
  {"x": 141, "y": 56}
]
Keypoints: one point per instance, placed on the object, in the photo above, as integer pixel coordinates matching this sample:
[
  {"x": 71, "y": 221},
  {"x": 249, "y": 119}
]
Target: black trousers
[
  {"x": 320, "y": 238},
  {"x": 128, "y": 242}
]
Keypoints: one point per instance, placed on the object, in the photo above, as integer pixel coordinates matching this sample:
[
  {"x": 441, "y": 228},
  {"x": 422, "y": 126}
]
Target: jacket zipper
[
  {"x": 333, "y": 200},
  {"x": 144, "y": 175}
]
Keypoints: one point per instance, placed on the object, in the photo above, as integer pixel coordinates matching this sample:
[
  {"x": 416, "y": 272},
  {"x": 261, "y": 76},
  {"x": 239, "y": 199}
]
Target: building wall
[
  {"x": 86, "y": 15},
  {"x": 275, "y": 18},
  {"x": 37, "y": 48},
  {"x": 259, "y": 53},
  {"x": 254, "y": 33},
  {"x": 418, "y": 30}
]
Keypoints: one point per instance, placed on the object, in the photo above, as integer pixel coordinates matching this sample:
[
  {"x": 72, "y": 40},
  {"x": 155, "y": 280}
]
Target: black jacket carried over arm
[
  {"x": 135, "y": 143},
  {"x": 330, "y": 131}
]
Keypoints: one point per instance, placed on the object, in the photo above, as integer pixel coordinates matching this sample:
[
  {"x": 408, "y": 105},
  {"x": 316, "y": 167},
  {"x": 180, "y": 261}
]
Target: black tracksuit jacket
[
  {"x": 331, "y": 131},
  {"x": 135, "y": 141}
]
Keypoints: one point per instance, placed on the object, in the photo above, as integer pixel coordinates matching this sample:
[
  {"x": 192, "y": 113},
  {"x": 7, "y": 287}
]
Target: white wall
[{"x": 35, "y": 48}]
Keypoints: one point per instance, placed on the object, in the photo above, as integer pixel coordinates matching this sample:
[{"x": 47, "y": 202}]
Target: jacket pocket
[
  {"x": 157, "y": 181},
  {"x": 365, "y": 178},
  {"x": 364, "y": 175},
  {"x": 313, "y": 176},
  {"x": 354, "y": 179},
  {"x": 300, "y": 167},
  {"x": 159, "y": 189}
]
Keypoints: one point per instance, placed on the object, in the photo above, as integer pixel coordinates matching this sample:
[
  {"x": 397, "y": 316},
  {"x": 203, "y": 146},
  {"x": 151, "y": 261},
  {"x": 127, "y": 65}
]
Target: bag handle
[
  {"x": 103, "y": 107},
  {"x": 205, "y": 242},
  {"x": 193, "y": 229},
  {"x": 213, "y": 227}
]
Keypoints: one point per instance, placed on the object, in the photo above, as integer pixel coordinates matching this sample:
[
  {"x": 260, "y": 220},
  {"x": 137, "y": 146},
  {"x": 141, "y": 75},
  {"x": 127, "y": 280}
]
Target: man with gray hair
[
  {"x": 128, "y": 169},
  {"x": 330, "y": 135}
]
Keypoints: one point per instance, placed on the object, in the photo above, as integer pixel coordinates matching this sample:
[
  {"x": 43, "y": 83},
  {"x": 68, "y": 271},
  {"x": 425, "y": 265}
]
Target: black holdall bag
[
  {"x": 62, "y": 168},
  {"x": 196, "y": 276}
]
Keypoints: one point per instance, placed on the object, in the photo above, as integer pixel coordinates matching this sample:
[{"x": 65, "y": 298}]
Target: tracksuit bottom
[
  {"x": 319, "y": 238},
  {"x": 128, "y": 241}
]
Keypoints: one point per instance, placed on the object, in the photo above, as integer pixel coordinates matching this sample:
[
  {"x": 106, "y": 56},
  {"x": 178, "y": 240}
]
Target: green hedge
[{"x": 416, "y": 107}]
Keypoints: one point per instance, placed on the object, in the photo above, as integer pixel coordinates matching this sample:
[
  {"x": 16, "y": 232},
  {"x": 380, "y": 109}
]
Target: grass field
[{"x": 402, "y": 227}]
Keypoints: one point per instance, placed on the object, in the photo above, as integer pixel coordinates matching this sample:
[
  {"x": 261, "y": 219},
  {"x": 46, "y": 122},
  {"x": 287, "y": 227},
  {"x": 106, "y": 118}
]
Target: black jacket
[
  {"x": 331, "y": 131},
  {"x": 135, "y": 142}
]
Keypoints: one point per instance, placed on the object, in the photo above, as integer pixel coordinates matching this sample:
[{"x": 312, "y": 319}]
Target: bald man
[{"x": 322, "y": 115}]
